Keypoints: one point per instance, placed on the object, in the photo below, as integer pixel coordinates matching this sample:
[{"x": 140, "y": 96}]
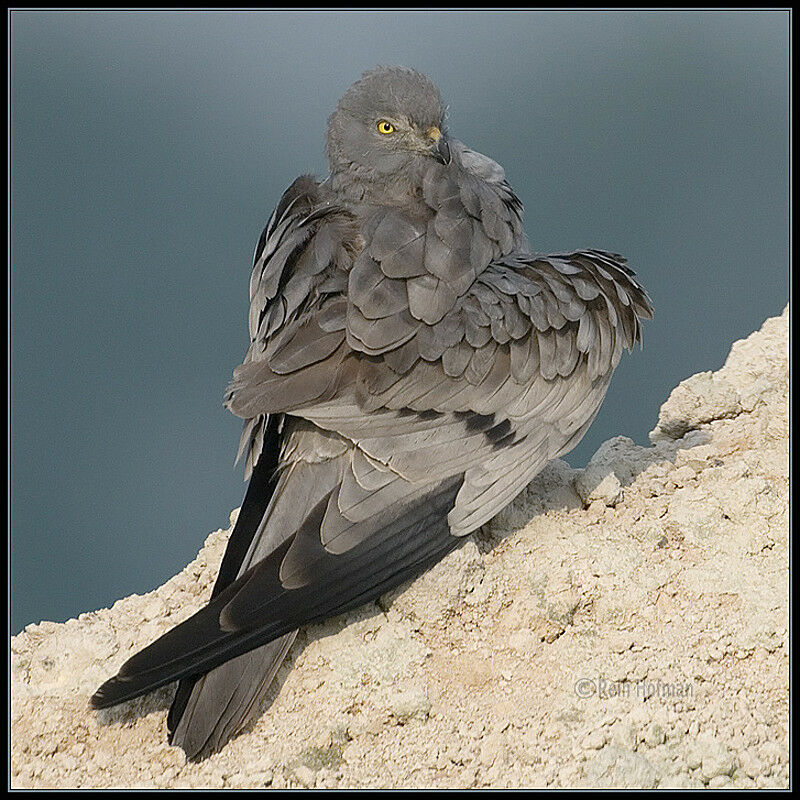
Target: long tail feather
[{"x": 223, "y": 701}]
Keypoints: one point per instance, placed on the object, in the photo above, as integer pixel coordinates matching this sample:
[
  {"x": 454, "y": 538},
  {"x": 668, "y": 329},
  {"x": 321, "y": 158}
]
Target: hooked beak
[{"x": 441, "y": 148}]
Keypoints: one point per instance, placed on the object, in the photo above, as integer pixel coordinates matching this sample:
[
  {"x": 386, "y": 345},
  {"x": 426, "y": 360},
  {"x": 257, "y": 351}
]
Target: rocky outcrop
[{"x": 624, "y": 625}]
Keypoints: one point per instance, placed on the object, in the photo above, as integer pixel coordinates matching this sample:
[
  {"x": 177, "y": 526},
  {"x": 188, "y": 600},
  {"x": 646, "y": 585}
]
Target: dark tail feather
[
  {"x": 220, "y": 703},
  {"x": 259, "y": 492},
  {"x": 226, "y": 655}
]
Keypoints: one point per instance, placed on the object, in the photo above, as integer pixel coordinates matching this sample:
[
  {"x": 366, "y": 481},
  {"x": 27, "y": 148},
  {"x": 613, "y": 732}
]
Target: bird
[{"x": 412, "y": 365}]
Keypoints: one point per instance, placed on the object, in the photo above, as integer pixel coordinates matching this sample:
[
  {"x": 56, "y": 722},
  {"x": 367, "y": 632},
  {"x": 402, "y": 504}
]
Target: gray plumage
[{"x": 412, "y": 366}]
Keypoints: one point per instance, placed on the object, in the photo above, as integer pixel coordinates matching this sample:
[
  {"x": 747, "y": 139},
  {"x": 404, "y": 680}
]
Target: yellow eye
[{"x": 385, "y": 127}]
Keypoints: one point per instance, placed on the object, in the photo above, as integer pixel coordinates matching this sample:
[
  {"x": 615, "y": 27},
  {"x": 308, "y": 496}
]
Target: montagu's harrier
[{"x": 412, "y": 366}]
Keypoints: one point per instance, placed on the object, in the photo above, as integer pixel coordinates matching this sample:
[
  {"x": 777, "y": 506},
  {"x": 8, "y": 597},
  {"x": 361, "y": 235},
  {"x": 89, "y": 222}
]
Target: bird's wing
[
  {"x": 305, "y": 578},
  {"x": 509, "y": 377},
  {"x": 449, "y": 354},
  {"x": 505, "y": 379}
]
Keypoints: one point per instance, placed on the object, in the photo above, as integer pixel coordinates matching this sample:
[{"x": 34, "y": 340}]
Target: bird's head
[{"x": 386, "y": 122}]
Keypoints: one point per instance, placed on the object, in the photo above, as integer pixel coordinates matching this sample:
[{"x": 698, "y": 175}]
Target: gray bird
[{"x": 412, "y": 366}]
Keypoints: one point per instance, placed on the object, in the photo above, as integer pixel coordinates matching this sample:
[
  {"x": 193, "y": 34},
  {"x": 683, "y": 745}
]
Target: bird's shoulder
[{"x": 306, "y": 247}]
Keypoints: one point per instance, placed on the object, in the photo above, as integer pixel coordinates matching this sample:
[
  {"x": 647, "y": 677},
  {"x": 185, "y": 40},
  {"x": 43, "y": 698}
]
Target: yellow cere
[{"x": 385, "y": 127}]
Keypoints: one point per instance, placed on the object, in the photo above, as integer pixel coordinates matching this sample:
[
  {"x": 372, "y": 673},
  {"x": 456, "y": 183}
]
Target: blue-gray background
[{"x": 148, "y": 150}]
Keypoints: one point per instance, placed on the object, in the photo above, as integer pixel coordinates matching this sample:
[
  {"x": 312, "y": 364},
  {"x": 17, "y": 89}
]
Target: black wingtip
[
  {"x": 100, "y": 699},
  {"x": 111, "y": 693},
  {"x": 115, "y": 691}
]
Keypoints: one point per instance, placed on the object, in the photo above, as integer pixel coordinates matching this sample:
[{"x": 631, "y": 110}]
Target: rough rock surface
[{"x": 625, "y": 625}]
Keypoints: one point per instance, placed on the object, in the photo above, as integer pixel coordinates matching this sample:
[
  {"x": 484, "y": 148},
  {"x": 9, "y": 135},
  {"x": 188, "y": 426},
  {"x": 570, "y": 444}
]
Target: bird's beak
[{"x": 440, "y": 149}]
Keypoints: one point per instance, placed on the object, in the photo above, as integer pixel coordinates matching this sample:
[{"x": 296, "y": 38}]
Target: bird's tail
[
  {"x": 219, "y": 704},
  {"x": 210, "y": 709}
]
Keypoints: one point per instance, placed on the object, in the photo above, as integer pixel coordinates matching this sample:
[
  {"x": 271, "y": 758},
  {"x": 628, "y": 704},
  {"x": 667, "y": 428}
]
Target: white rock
[
  {"x": 716, "y": 759},
  {"x": 621, "y": 769}
]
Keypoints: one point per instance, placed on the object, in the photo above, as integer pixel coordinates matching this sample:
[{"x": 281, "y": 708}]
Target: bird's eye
[{"x": 384, "y": 126}]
